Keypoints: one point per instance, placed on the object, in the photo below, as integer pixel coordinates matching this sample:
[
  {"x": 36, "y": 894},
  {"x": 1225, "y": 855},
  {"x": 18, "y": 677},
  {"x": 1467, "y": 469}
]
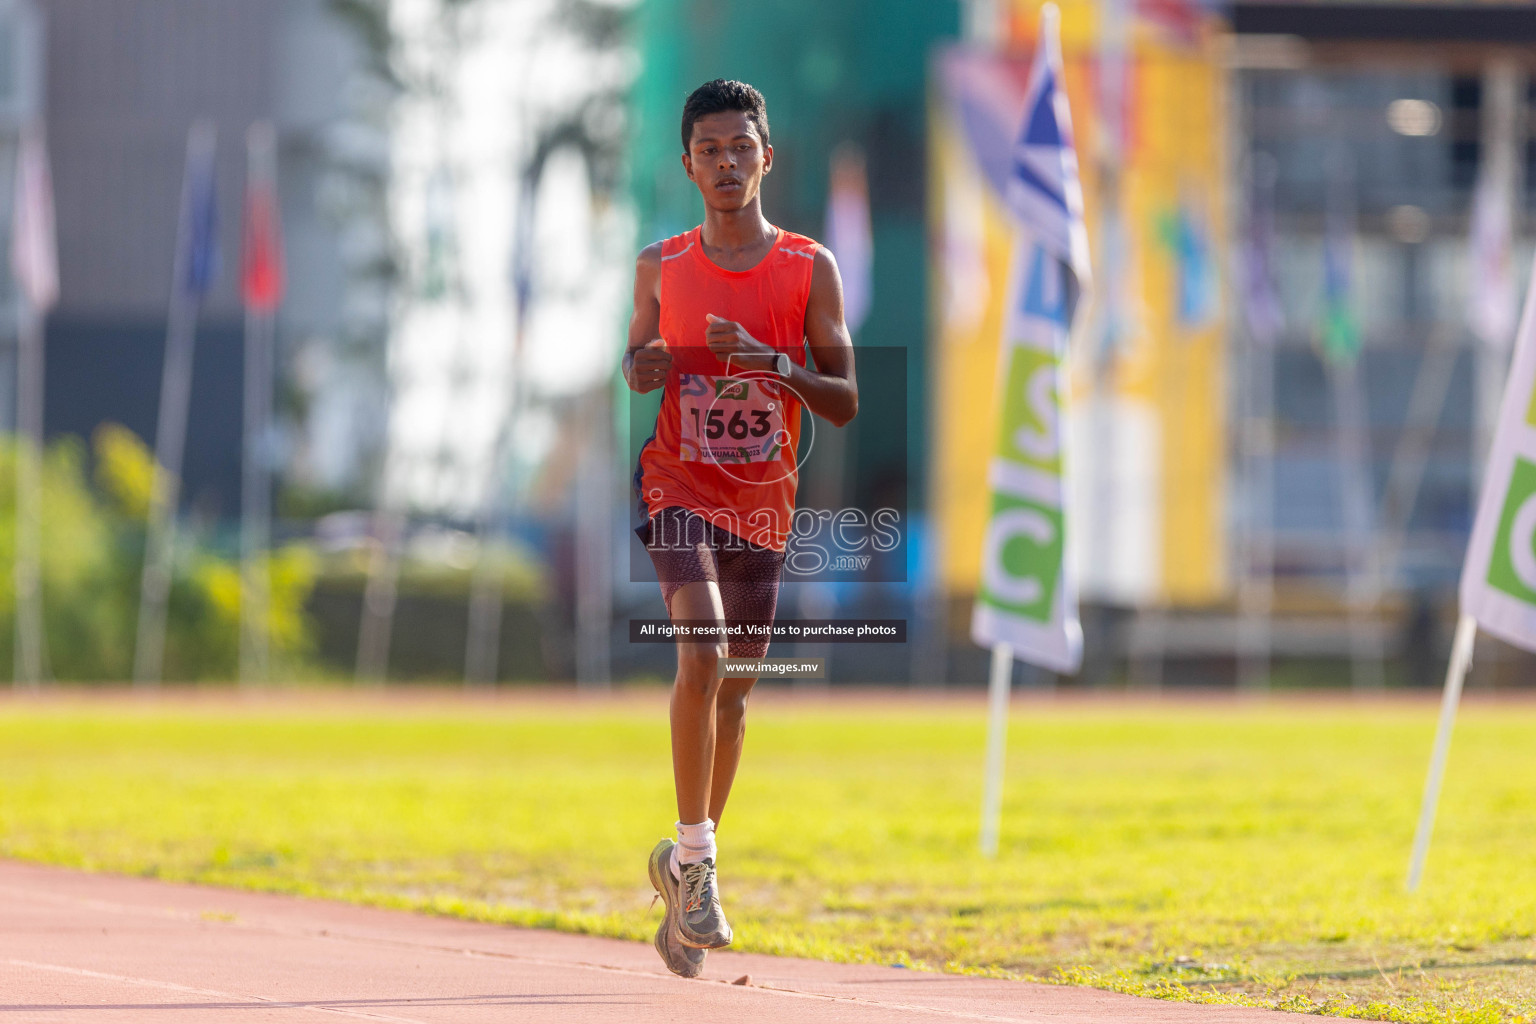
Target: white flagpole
[
  {"x": 29, "y": 486},
  {"x": 1256, "y": 586},
  {"x": 482, "y": 642},
  {"x": 34, "y": 265},
  {"x": 380, "y": 592},
  {"x": 1352, "y": 453},
  {"x": 1455, "y": 676},
  {"x": 256, "y": 485},
  {"x": 594, "y": 549},
  {"x": 1410, "y": 460},
  {"x": 256, "y": 493},
  {"x": 999, "y": 689},
  {"x": 170, "y": 435},
  {"x": 1362, "y": 562},
  {"x": 170, "y": 439},
  {"x": 1256, "y": 580},
  {"x": 482, "y": 646}
]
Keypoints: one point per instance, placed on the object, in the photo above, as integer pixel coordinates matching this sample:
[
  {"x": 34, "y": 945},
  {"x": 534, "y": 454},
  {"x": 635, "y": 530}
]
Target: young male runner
[{"x": 722, "y": 317}]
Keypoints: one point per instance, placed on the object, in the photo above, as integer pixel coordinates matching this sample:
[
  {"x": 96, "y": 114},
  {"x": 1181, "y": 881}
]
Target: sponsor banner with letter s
[{"x": 1027, "y": 598}]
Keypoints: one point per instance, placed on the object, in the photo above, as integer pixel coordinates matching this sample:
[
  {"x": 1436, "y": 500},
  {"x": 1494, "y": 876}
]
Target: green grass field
[{"x": 1217, "y": 851}]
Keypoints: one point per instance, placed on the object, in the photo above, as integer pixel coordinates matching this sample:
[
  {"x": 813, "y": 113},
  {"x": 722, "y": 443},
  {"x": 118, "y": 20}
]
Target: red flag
[{"x": 261, "y": 276}]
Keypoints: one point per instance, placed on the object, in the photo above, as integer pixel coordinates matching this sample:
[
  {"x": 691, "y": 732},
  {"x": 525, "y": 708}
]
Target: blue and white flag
[
  {"x": 1043, "y": 189},
  {"x": 1027, "y": 600}
]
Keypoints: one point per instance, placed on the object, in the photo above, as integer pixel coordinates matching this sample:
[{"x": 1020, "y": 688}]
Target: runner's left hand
[{"x": 728, "y": 338}]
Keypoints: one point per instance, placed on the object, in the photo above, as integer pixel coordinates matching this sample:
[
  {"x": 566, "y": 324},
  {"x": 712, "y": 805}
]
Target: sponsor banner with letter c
[{"x": 1498, "y": 581}]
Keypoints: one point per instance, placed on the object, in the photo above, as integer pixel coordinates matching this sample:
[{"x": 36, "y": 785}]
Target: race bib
[{"x": 731, "y": 419}]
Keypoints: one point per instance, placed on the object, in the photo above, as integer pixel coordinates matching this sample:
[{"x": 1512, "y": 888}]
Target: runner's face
[{"x": 727, "y": 159}]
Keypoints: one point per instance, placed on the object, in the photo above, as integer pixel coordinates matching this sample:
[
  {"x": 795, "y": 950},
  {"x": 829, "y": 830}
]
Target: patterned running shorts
[{"x": 687, "y": 548}]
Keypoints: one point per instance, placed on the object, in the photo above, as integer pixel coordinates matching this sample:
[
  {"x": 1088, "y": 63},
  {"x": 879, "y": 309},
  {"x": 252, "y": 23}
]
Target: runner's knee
[
  {"x": 731, "y": 703},
  {"x": 698, "y": 668}
]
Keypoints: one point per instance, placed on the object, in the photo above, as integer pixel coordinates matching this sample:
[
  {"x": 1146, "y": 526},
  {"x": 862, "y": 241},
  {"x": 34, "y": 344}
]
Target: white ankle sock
[{"x": 695, "y": 843}]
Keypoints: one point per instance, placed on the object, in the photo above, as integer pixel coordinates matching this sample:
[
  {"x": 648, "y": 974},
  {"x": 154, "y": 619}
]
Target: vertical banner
[
  {"x": 1498, "y": 581},
  {"x": 1027, "y": 599},
  {"x": 1145, "y": 406}
]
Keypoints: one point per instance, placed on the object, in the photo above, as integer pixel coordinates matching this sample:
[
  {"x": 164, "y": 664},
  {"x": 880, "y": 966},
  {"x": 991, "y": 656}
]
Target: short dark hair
[{"x": 725, "y": 94}]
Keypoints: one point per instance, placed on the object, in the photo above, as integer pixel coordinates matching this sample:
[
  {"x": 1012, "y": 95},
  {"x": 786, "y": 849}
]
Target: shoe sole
[
  {"x": 667, "y": 919},
  {"x": 691, "y": 943}
]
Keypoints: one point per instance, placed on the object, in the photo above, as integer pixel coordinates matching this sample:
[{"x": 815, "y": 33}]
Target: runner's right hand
[{"x": 650, "y": 367}]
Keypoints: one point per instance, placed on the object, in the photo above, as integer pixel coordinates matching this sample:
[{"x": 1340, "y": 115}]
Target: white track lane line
[{"x": 171, "y": 986}]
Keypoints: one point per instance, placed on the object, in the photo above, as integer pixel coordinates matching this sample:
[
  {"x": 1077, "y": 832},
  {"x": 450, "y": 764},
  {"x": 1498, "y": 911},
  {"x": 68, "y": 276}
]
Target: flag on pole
[
  {"x": 261, "y": 277},
  {"x": 1027, "y": 601},
  {"x": 848, "y": 233},
  {"x": 1498, "y": 580},
  {"x": 198, "y": 249},
  {"x": 1196, "y": 286},
  {"x": 195, "y": 268},
  {"x": 1340, "y": 334},
  {"x": 34, "y": 251},
  {"x": 261, "y": 286},
  {"x": 1491, "y": 298},
  {"x": 1261, "y": 301}
]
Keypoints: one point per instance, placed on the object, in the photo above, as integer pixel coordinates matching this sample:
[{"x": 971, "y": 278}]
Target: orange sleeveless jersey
[{"x": 726, "y": 438}]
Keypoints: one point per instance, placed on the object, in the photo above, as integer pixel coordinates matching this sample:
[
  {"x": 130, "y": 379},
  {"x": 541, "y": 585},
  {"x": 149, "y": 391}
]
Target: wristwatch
[{"x": 781, "y": 364}]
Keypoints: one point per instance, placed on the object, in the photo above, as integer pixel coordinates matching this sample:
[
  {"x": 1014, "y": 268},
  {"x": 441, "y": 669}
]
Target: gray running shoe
[
  {"x": 681, "y": 960},
  {"x": 701, "y": 923}
]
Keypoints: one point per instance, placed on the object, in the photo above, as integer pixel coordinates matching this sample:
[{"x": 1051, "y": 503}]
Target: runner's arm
[
  {"x": 646, "y": 359},
  {"x": 829, "y": 390}
]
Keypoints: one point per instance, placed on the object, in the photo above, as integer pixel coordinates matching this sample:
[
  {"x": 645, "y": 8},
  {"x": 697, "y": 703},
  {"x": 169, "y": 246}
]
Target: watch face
[{"x": 783, "y": 365}]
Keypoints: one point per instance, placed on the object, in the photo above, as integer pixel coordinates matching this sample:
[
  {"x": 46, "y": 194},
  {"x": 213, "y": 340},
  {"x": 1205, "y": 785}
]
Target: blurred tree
[{"x": 93, "y": 544}]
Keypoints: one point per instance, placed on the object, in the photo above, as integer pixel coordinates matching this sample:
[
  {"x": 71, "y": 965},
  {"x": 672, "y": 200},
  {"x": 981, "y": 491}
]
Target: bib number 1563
[{"x": 730, "y": 419}]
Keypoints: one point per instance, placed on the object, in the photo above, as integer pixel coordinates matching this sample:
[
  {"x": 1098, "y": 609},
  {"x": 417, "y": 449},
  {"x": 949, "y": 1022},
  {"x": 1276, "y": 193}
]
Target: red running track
[{"x": 103, "y": 949}]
